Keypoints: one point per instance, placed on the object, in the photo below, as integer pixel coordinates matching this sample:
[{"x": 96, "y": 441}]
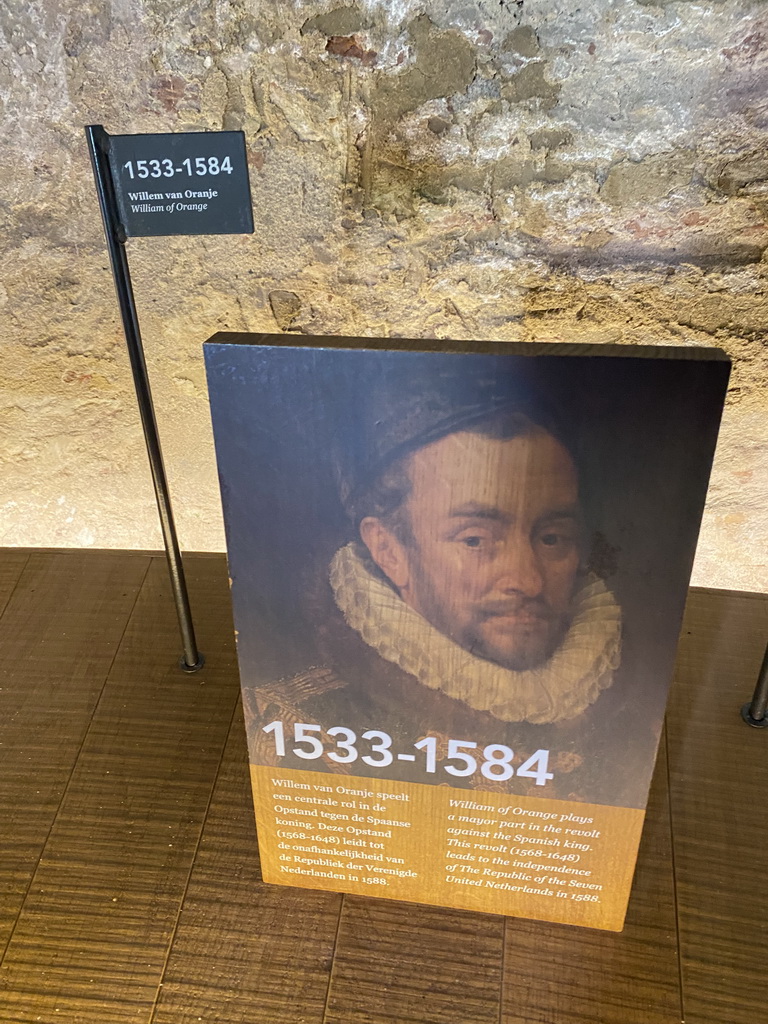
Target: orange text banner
[{"x": 552, "y": 860}]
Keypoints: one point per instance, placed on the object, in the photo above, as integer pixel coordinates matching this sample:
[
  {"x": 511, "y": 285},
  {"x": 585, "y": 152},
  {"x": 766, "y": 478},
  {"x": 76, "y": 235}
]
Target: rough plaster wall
[{"x": 481, "y": 169}]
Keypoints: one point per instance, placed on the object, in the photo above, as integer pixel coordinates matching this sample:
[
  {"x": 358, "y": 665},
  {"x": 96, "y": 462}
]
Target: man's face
[{"x": 495, "y": 544}]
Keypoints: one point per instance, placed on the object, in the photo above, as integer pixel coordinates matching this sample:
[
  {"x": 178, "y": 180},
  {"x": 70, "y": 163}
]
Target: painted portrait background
[{"x": 642, "y": 424}]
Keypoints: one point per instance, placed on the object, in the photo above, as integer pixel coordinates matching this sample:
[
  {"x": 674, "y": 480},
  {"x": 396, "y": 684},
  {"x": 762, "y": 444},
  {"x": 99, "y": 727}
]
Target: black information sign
[{"x": 193, "y": 183}]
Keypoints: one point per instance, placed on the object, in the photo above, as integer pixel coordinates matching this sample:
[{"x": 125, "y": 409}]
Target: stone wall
[{"x": 480, "y": 169}]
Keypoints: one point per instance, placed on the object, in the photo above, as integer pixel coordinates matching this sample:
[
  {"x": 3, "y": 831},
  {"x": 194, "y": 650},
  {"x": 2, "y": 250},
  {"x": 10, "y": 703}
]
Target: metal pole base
[
  {"x": 189, "y": 669},
  {"x": 754, "y": 722}
]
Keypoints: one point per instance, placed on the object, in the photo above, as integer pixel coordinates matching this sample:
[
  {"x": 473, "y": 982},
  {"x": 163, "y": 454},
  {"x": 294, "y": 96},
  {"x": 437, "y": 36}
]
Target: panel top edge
[{"x": 525, "y": 348}]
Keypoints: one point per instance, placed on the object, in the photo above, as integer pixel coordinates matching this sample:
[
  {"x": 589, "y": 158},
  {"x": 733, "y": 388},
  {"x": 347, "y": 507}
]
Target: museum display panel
[{"x": 458, "y": 575}]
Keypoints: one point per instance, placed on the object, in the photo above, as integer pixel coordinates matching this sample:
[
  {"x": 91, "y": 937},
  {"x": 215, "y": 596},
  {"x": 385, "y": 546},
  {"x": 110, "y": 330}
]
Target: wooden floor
[{"x": 129, "y": 876}]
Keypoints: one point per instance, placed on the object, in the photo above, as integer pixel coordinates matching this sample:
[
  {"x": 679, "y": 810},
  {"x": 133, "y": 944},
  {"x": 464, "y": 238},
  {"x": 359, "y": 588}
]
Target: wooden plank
[
  {"x": 718, "y": 782},
  {"x": 58, "y": 637},
  {"x": 245, "y": 952},
  {"x": 93, "y": 934},
  {"x": 12, "y": 562},
  {"x": 400, "y": 962},
  {"x": 581, "y": 976}
]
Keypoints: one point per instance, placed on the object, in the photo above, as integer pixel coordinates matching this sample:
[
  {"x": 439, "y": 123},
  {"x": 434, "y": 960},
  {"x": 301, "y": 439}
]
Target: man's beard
[
  {"x": 580, "y": 664},
  {"x": 528, "y": 632},
  {"x": 516, "y": 632}
]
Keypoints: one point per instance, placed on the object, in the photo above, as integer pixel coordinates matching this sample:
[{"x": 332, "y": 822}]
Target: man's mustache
[{"x": 536, "y": 607}]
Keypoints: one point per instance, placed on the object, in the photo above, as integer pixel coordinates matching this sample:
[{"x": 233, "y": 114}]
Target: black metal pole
[
  {"x": 98, "y": 140},
  {"x": 756, "y": 713}
]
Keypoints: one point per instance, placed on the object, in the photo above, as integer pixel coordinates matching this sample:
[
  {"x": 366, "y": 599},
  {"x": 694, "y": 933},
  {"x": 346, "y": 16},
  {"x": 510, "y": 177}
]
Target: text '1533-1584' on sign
[{"x": 194, "y": 183}]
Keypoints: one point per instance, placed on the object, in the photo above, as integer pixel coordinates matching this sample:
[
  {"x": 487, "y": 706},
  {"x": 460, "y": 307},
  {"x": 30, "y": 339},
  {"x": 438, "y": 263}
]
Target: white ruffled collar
[{"x": 562, "y": 688}]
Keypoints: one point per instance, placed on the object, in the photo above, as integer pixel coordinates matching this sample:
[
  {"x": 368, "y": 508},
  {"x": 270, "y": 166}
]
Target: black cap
[{"x": 415, "y": 399}]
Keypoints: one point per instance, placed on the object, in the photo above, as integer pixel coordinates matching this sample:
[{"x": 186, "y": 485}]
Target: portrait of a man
[
  {"x": 468, "y": 567},
  {"x": 459, "y": 547}
]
